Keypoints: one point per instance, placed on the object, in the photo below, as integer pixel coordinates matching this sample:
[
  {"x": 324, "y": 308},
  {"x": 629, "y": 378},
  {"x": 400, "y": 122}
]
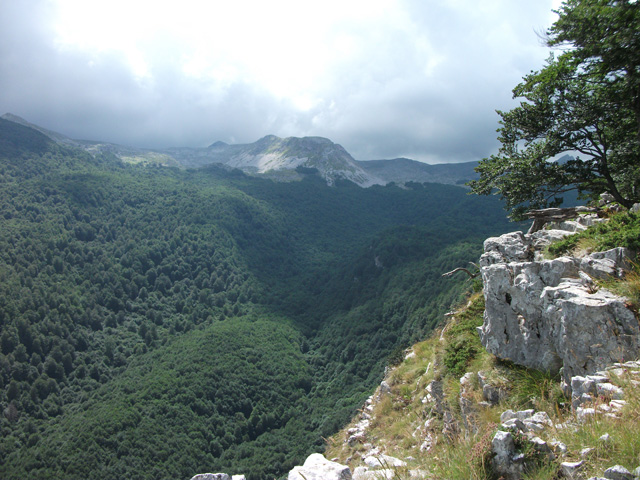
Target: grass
[
  {"x": 622, "y": 230},
  {"x": 535, "y": 389},
  {"x": 628, "y": 287}
]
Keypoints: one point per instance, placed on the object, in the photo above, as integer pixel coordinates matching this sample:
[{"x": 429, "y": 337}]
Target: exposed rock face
[
  {"x": 316, "y": 467},
  {"x": 543, "y": 315},
  {"x": 507, "y": 462},
  {"x": 211, "y": 476}
]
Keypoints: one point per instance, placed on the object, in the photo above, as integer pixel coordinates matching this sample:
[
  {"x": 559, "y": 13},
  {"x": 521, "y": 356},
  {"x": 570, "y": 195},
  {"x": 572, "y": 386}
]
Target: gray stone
[
  {"x": 525, "y": 414},
  {"x": 605, "y": 199},
  {"x": 603, "y": 265},
  {"x": 585, "y": 452},
  {"x": 532, "y": 426},
  {"x": 360, "y": 473},
  {"x": 436, "y": 391},
  {"x": 583, "y": 413},
  {"x": 618, "y": 472},
  {"x": 541, "y": 446},
  {"x": 538, "y": 314},
  {"x": 510, "y": 247},
  {"x": 609, "y": 390},
  {"x": 571, "y": 469},
  {"x": 606, "y": 438},
  {"x": 507, "y": 415},
  {"x": 506, "y": 462},
  {"x": 493, "y": 395},
  {"x": 383, "y": 461},
  {"x": 316, "y": 467},
  {"x": 559, "y": 447},
  {"x": 363, "y": 473},
  {"x": 542, "y": 418},
  {"x": 385, "y": 389}
]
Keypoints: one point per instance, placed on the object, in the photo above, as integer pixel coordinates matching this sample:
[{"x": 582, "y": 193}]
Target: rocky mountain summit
[{"x": 282, "y": 158}]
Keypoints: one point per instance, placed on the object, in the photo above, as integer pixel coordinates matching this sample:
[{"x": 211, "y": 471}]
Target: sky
[{"x": 384, "y": 78}]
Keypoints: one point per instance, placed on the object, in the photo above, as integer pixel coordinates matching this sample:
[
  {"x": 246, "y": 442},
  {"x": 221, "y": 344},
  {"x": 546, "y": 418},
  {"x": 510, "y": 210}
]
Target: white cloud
[{"x": 385, "y": 78}]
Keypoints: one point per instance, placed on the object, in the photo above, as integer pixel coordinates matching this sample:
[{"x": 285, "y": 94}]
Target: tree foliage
[
  {"x": 158, "y": 323},
  {"x": 585, "y": 102}
]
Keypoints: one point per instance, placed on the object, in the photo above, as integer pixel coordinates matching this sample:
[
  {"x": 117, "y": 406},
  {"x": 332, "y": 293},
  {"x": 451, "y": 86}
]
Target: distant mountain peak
[
  {"x": 218, "y": 144},
  {"x": 14, "y": 118},
  {"x": 55, "y": 136}
]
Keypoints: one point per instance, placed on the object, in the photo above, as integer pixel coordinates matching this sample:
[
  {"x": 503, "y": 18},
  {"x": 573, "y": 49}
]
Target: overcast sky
[{"x": 384, "y": 78}]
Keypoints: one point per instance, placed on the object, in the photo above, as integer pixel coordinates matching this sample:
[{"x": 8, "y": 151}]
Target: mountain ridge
[{"x": 281, "y": 159}]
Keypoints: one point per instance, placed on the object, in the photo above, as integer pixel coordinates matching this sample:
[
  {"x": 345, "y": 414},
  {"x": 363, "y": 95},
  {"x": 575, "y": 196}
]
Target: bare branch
[{"x": 461, "y": 269}]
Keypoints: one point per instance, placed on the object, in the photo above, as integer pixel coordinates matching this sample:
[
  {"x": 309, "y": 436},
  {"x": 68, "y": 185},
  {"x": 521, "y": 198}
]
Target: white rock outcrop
[
  {"x": 211, "y": 476},
  {"x": 543, "y": 315},
  {"x": 316, "y": 467}
]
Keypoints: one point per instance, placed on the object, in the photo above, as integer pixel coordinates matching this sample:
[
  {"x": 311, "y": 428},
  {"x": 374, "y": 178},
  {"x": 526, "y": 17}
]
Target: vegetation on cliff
[{"x": 404, "y": 423}]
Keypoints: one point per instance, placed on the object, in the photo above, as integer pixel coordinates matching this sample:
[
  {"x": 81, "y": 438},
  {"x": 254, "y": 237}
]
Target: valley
[{"x": 161, "y": 321}]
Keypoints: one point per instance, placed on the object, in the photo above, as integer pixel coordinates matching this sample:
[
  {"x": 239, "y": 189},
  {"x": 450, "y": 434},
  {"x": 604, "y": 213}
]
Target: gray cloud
[{"x": 426, "y": 87}]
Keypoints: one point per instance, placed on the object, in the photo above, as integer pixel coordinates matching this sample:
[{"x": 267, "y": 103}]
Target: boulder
[
  {"x": 316, "y": 467},
  {"x": 541, "y": 315},
  {"x": 510, "y": 247}
]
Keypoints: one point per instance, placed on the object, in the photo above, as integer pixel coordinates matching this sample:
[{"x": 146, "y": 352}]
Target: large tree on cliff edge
[{"x": 584, "y": 102}]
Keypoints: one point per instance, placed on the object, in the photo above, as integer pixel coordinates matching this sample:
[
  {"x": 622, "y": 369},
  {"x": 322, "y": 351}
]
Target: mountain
[
  {"x": 157, "y": 322},
  {"x": 281, "y": 159},
  {"x": 55, "y": 136},
  {"x": 403, "y": 170}
]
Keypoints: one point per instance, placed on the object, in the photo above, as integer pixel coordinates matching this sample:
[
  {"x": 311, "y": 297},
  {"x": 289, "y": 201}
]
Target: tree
[{"x": 585, "y": 102}]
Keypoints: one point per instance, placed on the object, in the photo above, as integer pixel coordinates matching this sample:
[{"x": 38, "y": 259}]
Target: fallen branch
[
  {"x": 541, "y": 217},
  {"x": 465, "y": 270}
]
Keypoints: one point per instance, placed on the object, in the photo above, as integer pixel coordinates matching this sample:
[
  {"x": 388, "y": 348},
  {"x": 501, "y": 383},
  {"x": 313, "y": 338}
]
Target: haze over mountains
[{"x": 283, "y": 159}]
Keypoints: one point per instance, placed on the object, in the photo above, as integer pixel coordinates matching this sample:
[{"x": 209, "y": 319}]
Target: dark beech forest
[{"x": 158, "y": 322}]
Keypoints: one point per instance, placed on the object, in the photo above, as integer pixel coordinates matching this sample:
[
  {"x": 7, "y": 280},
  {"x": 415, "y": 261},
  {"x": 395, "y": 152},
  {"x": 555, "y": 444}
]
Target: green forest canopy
[{"x": 158, "y": 323}]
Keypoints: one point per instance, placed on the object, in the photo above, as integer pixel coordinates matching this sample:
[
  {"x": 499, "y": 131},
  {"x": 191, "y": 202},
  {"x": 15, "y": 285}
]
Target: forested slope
[{"x": 157, "y": 322}]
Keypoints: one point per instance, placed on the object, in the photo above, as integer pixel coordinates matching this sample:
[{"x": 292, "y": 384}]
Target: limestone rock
[
  {"x": 506, "y": 461},
  {"x": 316, "y": 467},
  {"x": 618, "y": 472},
  {"x": 540, "y": 315},
  {"x": 510, "y": 247},
  {"x": 383, "y": 461},
  {"x": 211, "y": 476},
  {"x": 491, "y": 394},
  {"x": 385, "y": 389},
  {"x": 571, "y": 469}
]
